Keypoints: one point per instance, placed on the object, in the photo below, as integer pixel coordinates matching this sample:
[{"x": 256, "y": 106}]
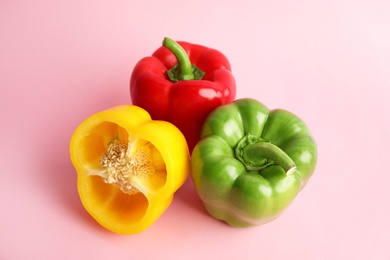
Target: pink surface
[{"x": 327, "y": 61}]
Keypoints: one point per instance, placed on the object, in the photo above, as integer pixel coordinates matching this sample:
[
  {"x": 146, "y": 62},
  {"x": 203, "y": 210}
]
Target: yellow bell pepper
[{"x": 128, "y": 167}]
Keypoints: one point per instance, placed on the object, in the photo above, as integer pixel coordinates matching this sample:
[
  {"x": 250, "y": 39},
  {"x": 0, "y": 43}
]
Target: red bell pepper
[{"x": 182, "y": 83}]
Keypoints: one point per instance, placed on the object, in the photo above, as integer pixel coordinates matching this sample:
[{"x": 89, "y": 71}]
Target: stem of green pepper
[
  {"x": 256, "y": 152},
  {"x": 184, "y": 71}
]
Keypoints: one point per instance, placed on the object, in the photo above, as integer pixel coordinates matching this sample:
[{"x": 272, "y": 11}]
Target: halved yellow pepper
[{"x": 128, "y": 167}]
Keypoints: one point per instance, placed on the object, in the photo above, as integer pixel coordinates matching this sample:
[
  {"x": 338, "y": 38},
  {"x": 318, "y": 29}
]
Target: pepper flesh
[
  {"x": 128, "y": 166},
  {"x": 182, "y": 83},
  {"x": 251, "y": 162}
]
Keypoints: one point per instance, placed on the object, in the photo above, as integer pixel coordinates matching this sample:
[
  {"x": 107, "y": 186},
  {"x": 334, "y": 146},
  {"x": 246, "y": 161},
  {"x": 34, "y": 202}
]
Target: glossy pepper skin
[
  {"x": 251, "y": 162},
  {"x": 182, "y": 83},
  {"x": 128, "y": 167}
]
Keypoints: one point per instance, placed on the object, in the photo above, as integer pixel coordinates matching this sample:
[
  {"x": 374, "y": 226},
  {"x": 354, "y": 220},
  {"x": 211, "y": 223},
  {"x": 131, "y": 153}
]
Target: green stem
[
  {"x": 255, "y": 153},
  {"x": 184, "y": 71}
]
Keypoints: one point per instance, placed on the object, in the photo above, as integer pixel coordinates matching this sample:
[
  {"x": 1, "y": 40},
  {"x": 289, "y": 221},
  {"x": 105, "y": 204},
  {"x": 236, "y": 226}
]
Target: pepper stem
[
  {"x": 253, "y": 152},
  {"x": 184, "y": 70},
  {"x": 257, "y": 154}
]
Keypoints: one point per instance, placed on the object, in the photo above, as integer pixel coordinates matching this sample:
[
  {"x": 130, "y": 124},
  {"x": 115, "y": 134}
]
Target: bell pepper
[
  {"x": 251, "y": 162},
  {"x": 128, "y": 166},
  {"x": 182, "y": 83}
]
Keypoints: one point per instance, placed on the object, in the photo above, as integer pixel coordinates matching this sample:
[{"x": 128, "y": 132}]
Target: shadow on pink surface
[{"x": 187, "y": 195}]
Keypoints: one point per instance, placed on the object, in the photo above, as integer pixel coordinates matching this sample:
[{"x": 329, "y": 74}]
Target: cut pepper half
[{"x": 128, "y": 167}]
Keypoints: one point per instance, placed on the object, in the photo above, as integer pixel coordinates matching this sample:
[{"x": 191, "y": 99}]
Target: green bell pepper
[{"x": 250, "y": 162}]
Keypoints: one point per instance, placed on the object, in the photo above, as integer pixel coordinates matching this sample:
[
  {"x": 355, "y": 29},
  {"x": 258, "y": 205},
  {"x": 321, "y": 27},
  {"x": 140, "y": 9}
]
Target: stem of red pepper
[{"x": 183, "y": 70}]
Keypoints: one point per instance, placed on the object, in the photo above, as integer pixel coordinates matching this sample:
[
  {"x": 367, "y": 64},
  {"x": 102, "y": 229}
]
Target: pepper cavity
[{"x": 125, "y": 163}]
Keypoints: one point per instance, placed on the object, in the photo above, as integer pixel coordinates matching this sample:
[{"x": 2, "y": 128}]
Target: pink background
[{"x": 327, "y": 61}]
